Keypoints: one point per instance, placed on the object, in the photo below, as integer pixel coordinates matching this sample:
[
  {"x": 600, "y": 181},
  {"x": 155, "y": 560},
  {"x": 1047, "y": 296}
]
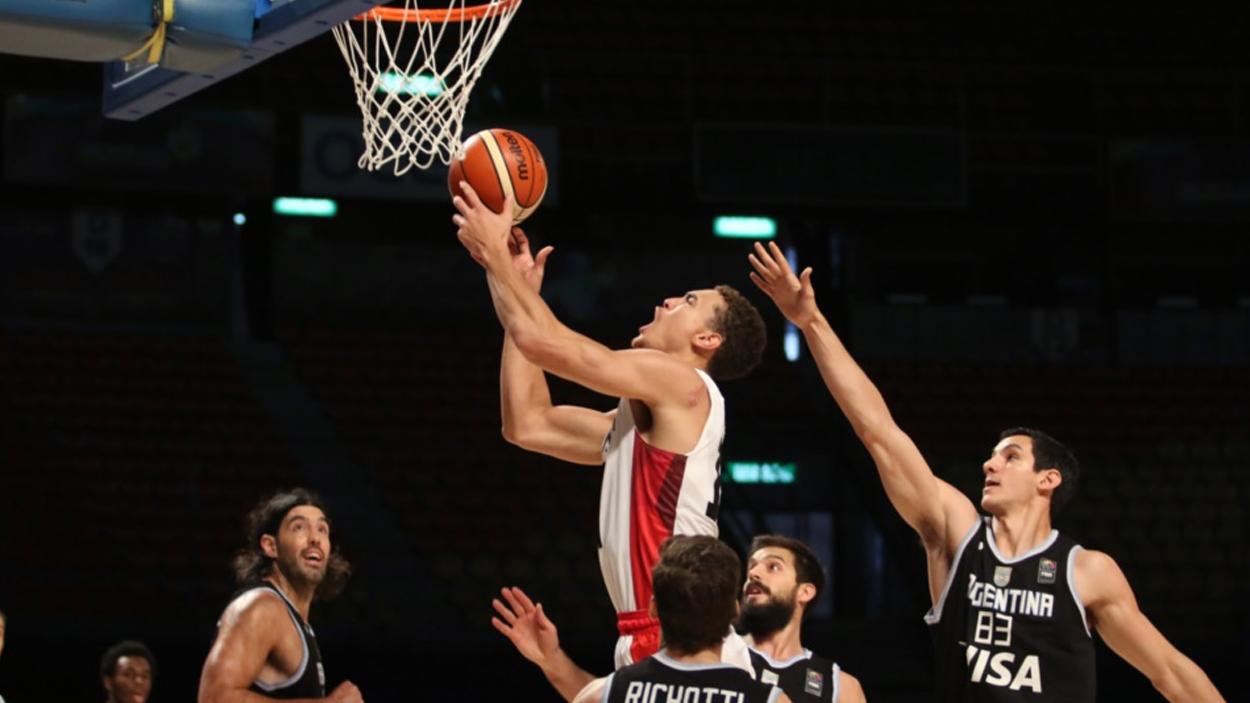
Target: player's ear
[
  {"x": 1049, "y": 479},
  {"x": 805, "y": 594},
  {"x": 653, "y": 611},
  {"x": 269, "y": 545},
  {"x": 708, "y": 341}
]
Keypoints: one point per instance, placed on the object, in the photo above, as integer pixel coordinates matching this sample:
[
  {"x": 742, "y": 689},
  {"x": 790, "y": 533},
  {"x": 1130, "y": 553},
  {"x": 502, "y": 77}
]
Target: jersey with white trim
[
  {"x": 804, "y": 677},
  {"x": 661, "y": 678},
  {"x": 650, "y": 494},
  {"x": 309, "y": 680},
  {"x": 1012, "y": 630}
]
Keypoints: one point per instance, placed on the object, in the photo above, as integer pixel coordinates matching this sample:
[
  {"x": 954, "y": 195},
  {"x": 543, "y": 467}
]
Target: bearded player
[{"x": 265, "y": 649}]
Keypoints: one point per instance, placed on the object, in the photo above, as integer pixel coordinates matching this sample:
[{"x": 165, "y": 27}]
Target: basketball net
[{"x": 413, "y": 70}]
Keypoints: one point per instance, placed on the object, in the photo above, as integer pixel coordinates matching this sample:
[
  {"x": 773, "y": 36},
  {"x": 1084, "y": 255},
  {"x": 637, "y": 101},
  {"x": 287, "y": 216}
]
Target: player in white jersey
[{"x": 660, "y": 447}]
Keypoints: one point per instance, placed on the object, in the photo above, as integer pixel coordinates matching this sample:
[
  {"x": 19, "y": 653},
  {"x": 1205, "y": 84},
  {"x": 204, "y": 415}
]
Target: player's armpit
[{"x": 1112, "y": 609}]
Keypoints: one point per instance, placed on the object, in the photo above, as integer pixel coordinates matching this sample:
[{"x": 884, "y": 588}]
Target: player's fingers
[
  {"x": 470, "y": 195},
  {"x": 518, "y": 241},
  {"x": 520, "y": 607},
  {"x": 523, "y": 599},
  {"x": 541, "y": 260},
  {"x": 805, "y": 279},
  {"x": 779, "y": 259},
  {"x": 761, "y": 253},
  {"x": 509, "y": 615},
  {"x": 543, "y": 620},
  {"x": 503, "y": 629},
  {"x": 758, "y": 265},
  {"x": 461, "y": 204},
  {"x": 759, "y": 283},
  {"x": 458, "y": 220}
]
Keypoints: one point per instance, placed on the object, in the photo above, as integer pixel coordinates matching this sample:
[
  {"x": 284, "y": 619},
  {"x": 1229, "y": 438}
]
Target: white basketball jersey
[{"x": 650, "y": 494}]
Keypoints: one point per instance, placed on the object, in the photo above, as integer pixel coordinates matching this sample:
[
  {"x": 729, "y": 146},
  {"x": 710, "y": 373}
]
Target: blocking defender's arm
[
  {"x": 934, "y": 508},
  {"x": 1112, "y": 609},
  {"x": 530, "y": 420},
  {"x": 647, "y": 375},
  {"x": 535, "y": 637},
  {"x": 249, "y": 631}
]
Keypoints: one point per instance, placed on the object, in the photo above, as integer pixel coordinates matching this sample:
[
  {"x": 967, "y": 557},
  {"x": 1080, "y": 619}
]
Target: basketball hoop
[{"x": 411, "y": 94}]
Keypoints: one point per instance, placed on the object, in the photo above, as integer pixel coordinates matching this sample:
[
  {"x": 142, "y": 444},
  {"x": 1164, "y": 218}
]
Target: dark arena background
[{"x": 1016, "y": 216}]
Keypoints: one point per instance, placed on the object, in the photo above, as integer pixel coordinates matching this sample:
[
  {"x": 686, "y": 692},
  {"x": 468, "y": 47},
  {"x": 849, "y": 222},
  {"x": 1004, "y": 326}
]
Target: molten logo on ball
[
  {"x": 499, "y": 164},
  {"x": 514, "y": 146}
]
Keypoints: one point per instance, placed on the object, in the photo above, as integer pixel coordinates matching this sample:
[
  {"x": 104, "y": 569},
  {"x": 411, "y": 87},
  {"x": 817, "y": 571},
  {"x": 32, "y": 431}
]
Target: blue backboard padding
[
  {"x": 207, "y": 33},
  {"x": 216, "y": 21},
  {"x": 88, "y": 30},
  {"x": 282, "y": 27},
  {"x": 203, "y": 33}
]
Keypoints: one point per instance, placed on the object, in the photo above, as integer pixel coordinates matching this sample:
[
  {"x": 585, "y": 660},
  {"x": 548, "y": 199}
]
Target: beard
[
  {"x": 297, "y": 573},
  {"x": 763, "y": 619}
]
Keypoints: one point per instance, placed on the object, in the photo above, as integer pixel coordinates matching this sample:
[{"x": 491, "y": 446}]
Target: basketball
[{"x": 497, "y": 162}]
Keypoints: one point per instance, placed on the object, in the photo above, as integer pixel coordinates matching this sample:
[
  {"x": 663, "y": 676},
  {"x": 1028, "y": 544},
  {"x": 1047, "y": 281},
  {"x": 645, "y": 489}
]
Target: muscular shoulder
[
  {"x": 1097, "y": 577},
  {"x": 259, "y": 606},
  {"x": 849, "y": 690}
]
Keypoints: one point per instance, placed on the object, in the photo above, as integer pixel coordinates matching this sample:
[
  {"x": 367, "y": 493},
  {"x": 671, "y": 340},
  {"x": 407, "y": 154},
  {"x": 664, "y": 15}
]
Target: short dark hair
[
  {"x": 806, "y": 566},
  {"x": 125, "y": 648},
  {"x": 1048, "y": 453},
  {"x": 743, "y": 336},
  {"x": 251, "y": 564},
  {"x": 696, "y": 583}
]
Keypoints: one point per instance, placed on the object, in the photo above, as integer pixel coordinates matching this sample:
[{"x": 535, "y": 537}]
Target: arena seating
[{"x": 131, "y": 458}]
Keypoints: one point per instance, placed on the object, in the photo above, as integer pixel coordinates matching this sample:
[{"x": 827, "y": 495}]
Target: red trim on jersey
[
  {"x": 645, "y": 631},
  {"x": 656, "y": 484}
]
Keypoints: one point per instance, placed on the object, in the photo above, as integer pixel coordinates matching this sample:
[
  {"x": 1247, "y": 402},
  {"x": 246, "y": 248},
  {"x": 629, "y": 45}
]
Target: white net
[{"x": 413, "y": 77}]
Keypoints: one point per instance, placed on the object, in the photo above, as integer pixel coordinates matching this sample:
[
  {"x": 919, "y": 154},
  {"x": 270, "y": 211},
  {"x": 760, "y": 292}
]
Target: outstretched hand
[
  {"x": 792, "y": 294},
  {"x": 531, "y": 267},
  {"x": 526, "y": 626},
  {"x": 482, "y": 231}
]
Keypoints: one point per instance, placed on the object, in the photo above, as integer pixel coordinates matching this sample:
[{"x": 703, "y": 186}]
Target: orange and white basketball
[{"x": 497, "y": 162}]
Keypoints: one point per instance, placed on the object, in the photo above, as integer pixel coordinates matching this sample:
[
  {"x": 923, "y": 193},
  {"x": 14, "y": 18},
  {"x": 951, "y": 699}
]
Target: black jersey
[
  {"x": 804, "y": 677},
  {"x": 309, "y": 679},
  {"x": 660, "y": 678},
  {"x": 1008, "y": 630}
]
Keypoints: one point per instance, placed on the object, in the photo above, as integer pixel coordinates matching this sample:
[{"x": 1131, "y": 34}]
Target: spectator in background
[{"x": 127, "y": 670}]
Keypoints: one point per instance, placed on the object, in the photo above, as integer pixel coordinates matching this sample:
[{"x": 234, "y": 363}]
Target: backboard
[
  {"x": 131, "y": 91},
  {"x": 157, "y": 52}
]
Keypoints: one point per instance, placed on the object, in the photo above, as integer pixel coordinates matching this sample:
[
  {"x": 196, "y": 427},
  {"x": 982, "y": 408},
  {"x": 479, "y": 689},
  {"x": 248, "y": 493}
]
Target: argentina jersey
[{"x": 1007, "y": 630}]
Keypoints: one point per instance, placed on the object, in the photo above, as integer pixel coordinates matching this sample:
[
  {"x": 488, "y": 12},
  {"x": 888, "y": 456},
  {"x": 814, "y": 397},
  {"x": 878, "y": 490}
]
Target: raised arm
[
  {"x": 653, "y": 377},
  {"x": 535, "y": 637},
  {"x": 934, "y": 509},
  {"x": 250, "y": 629},
  {"x": 1112, "y": 609},
  {"x": 530, "y": 420}
]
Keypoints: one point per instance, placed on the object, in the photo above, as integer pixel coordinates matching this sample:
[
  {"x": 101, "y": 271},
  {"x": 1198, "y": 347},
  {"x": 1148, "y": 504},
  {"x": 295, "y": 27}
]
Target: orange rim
[{"x": 473, "y": 12}]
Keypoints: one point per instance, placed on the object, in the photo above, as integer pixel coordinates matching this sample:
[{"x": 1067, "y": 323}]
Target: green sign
[{"x": 760, "y": 472}]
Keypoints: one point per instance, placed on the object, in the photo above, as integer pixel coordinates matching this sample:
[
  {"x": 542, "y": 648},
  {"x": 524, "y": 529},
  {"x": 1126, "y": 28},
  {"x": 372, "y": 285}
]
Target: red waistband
[{"x": 628, "y": 623}]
